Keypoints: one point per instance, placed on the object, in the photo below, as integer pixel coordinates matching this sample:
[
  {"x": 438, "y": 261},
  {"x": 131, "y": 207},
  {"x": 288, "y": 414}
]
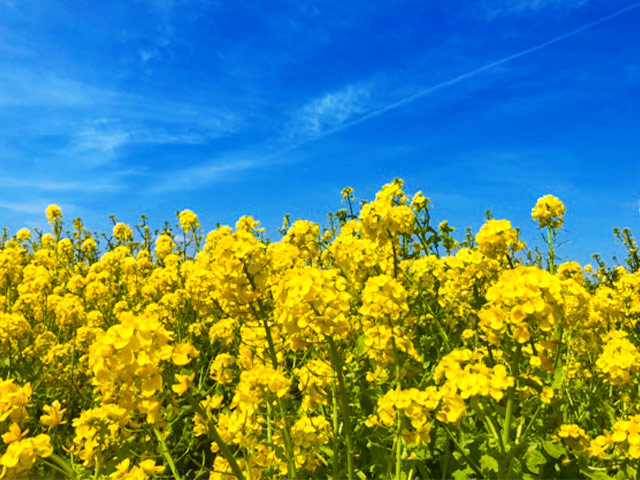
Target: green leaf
[
  {"x": 488, "y": 464},
  {"x": 360, "y": 348},
  {"x": 516, "y": 467},
  {"x": 554, "y": 450},
  {"x": 558, "y": 379},
  {"x": 621, "y": 475},
  {"x": 462, "y": 474},
  {"x": 596, "y": 475},
  {"x": 533, "y": 460},
  {"x": 631, "y": 471},
  {"x": 361, "y": 475}
]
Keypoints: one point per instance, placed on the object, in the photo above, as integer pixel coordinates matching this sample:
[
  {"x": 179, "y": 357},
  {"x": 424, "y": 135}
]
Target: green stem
[
  {"x": 235, "y": 468},
  {"x": 395, "y": 256},
  {"x": 399, "y": 429},
  {"x": 53, "y": 466},
  {"x": 552, "y": 255},
  {"x": 445, "y": 337},
  {"x": 166, "y": 454},
  {"x": 526, "y": 429},
  {"x": 291, "y": 470},
  {"x": 10, "y": 359},
  {"x": 474, "y": 466},
  {"x": 445, "y": 467},
  {"x": 506, "y": 461},
  {"x": 399, "y": 447},
  {"x": 335, "y": 434},
  {"x": 515, "y": 370},
  {"x": 60, "y": 465},
  {"x": 97, "y": 469},
  {"x": 489, "y": 422},
  {"x": 346, "y": 410},
  {"x": 269, "y": 441},
  {"x": 73, "y": 365},
  {"x": 286, "y": 431}
]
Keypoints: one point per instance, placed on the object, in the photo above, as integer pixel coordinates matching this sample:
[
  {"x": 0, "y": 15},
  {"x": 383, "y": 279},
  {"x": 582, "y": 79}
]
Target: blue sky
[{"x": 272, "y": 107}]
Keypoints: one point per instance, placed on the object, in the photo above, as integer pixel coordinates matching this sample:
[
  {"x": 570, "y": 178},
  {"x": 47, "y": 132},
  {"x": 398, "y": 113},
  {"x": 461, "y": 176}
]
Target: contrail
[
  {"x": 426, "y": 91},
  {"x": 464, "y": 76}
]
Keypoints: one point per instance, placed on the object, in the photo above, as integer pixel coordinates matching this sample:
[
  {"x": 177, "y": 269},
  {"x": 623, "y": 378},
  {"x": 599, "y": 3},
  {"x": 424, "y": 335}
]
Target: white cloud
[
  {"x": 330, "y": 111},
  {"x": 147, "y": 54},
  {"x": 37, "y": 207},
  {"x": 25, "y": 88},
  {"x": 77, "y": 122},
  {"x": 78, "y": 182},
  {"x": 202, "y": 175},
  {"x": 499, "y": 8}
]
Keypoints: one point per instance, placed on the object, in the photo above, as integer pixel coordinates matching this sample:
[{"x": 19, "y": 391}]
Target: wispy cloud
[
  {"x": 36, "y": 207},
  {"x": 83, "y": 182},
  {"x": 330, "y": 110},
  {"x": 499, "y": 8},
  {"x": 100, "y": 141},
  {"x": 23, "y": 87},
  {"x": 90, "y": 126},
  {"x": 205, "y": 174},
  {"x": 339, "y": 110},
  {"x": 326, "y": 112},
  {"x": 474, "y": 72}
]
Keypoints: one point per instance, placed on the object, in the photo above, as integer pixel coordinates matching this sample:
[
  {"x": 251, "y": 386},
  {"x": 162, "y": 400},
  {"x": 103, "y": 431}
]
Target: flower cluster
[
  {"x": 548, "y": 212},
  {"x": 22, "y": 451},
  {"x": 496, "y": 238},
  {"x": 379, "y": 346},
  {"x": 619, "y": 358}
]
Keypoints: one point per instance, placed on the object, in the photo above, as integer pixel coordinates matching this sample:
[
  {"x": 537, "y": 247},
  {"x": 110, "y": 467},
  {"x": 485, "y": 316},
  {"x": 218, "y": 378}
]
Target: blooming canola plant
[{"x": 378, "y": 346}]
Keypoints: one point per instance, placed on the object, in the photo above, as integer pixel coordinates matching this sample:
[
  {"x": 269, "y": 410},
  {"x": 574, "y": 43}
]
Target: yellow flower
[
  {"x": 548, "y": 212},
  {"x": 164, "y": 246},
  {"x": 23, "y": 234},
  {"x": 182, "y": 354},
  {"x": 53, "y": 415},
  {"x": 122, "y": 232},
  {"x": 496, "y": 238},
  {"x": 42, "y": 445},
  {"x": 346, "y": 192},
  {"x": 184, "y": 383},
  {"x": 14, "y": 434},
  {"x": 89, "y": 245},
  {"x": 546, "y": 395},
  {"x": 419, "y": 201},
  {"x": 149, "y": 466},
  {"x": 54, "y": 214},
  {"x": 122, "y": 469},
  {"x": 600, "y": 445},
  {"x": 188, "y": 220}
]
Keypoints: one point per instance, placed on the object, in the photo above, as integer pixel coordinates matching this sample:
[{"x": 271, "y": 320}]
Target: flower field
[{"x": 377, "y": 347}]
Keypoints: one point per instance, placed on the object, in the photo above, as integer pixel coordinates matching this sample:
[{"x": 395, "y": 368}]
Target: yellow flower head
[
  {"x": 89, "y": 245},
  {"x": 23, "y": 234},
  {"x": 496, "y": 238},
  {"x": 184, "y": 383},
  {"x": 53, "y": 415},
  {"x": 164, "y": 245},
  {"x": 14, "y": 434},
  {"x": 122, "y": 232},
  {"x": 419, "y": 201},
  {"x": 548, "y": 212},
  {"x": 183, "y": 353},
  {"x": 54, "y": 214},
  {"x": 188, "y": 220},
  {"x": 546, "y": 395}
]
